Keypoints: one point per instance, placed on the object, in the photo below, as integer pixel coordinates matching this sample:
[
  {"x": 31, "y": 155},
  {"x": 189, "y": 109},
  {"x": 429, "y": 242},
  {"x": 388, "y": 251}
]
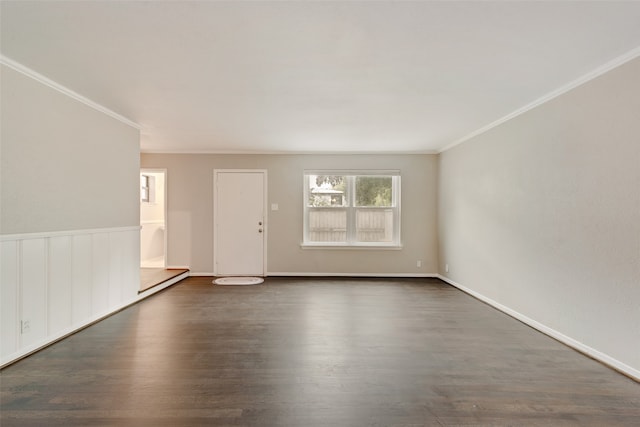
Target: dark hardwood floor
[{"x": 300, "y": 352}]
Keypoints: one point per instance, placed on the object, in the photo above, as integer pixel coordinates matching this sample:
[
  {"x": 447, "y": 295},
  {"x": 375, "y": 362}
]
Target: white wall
[
  {"x": 65, "y": 166},
  {"x": 542, "y": 216},
  {"x": 69, "y": 214},
  {"x": 190, "y": 212}
]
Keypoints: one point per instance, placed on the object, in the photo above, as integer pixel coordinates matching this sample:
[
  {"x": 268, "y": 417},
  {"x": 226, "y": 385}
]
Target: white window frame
[
  {"x": 351, "y": 209},
  {"x": 144, "y": 188}
]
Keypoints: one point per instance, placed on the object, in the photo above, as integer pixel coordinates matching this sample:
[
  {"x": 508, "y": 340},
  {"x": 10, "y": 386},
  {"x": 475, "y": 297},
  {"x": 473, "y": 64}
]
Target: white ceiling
[{"x": 275, "y": 76}]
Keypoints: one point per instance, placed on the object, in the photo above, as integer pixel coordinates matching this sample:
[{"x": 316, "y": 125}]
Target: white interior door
[{"x": 239, "y": 222}]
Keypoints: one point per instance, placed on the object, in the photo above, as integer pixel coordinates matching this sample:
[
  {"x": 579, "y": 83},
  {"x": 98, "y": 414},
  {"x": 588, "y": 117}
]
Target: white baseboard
[
  {"x": 383, "y": 275},
  {"x": 310, "y": 274},
  {"x": 52, "y": 339},
  {"x": 164, "y": 285},
  {"x": 576, "y": 345}
]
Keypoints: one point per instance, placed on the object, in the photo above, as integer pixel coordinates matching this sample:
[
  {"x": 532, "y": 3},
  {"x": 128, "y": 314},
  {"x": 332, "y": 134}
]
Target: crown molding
[
  {"x": 620, "y": 60},
  {"x": 291, "y": 153},
  {"x": 24, "y": 70}
]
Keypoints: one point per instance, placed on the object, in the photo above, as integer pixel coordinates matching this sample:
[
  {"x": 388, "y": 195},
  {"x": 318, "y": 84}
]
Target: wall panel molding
[
  {"x": 49, "y": 234},
  {"x": 54, "y": 284}
]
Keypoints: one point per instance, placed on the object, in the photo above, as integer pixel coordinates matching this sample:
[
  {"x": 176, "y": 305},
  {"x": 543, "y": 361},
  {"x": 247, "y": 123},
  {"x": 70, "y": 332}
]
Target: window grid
[{"x": 383, "y": 230}]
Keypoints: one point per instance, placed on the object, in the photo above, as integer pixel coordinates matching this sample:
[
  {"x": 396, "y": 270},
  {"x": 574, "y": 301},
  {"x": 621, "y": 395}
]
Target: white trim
[
  {"x": 330, "y": 274},
  {"x": 354, "y": 275},
  {"x": 148, "y": 292},
  {"x": 576, "y": 345},
  {"x": 354, "y": 172},
  {"x": 47, "y": 234},
  {"x": 19, "y": 294},
  {"x": 616, "y": 62},
  {"x": 26, "y": 71},
  {"x": 288, "y": 153},
  {"x": 350, "y": 247}
]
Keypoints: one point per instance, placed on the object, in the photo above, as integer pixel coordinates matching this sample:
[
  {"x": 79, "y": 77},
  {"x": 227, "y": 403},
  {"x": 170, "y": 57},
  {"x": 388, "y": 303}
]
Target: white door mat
[{"x": 238, "y": 281}]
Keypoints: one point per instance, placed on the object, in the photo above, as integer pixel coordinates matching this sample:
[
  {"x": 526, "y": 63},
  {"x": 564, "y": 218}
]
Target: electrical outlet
[
  {"x": 446, "y": 268},
  {"x": 418, "y": 263},
  {"x": 25, "y": 326}
]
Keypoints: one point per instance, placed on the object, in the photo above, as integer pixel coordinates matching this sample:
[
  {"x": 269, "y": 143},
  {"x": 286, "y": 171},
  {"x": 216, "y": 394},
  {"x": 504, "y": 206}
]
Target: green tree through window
[{"x": 373, "y": 190}]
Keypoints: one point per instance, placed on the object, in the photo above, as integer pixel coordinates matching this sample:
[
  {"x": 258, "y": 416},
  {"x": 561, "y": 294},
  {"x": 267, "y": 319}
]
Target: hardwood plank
[{"x": 301, "y": 352}]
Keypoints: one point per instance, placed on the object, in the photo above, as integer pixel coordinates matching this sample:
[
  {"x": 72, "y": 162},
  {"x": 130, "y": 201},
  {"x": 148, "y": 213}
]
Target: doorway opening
[
  {"x": 153, "y": 227},
  {"x": 153, "y": 230}
]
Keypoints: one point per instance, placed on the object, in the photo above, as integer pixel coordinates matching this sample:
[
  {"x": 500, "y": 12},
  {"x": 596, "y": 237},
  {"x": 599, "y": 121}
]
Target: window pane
[
  {"x": 328, "y": 225},
  {"x": 327, "y": 190},
  {"x": 374, "y": 225},
  {"x": 374, "y": 190}
]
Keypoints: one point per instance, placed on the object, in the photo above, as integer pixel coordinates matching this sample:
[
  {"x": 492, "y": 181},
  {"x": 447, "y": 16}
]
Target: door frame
[
  {"x": 264, "y": 210},
  {"x": 165, "y": 208}
]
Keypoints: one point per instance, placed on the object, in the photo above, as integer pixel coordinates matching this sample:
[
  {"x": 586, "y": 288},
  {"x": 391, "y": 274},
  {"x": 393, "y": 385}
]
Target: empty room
[{"x": 320, "y": 213}]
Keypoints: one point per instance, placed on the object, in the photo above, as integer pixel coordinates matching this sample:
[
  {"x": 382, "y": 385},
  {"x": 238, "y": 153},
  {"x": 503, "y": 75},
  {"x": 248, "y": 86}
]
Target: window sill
[{"x": 352, "y": 247}]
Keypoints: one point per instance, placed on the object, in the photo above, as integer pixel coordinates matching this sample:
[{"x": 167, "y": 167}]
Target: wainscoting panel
[
  {"x": 59, "y": 293},
  {"x": 33, "y": 295},
  {"x": 81, "y": 267},
  {"x": 55, "y": 283},
  {"x": 130, "y": 265},
  {"x": 8, "y": 298},
  {"x": 116, "y": 253},
  {"x": 100, "y": 269}
]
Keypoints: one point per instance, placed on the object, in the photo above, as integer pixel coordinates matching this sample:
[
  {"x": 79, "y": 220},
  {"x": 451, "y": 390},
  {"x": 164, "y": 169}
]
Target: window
[
  {"x": 352, "y": 209},
  {"x": 144, "y": 188},
  {"x": 147, "y": 188}
]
